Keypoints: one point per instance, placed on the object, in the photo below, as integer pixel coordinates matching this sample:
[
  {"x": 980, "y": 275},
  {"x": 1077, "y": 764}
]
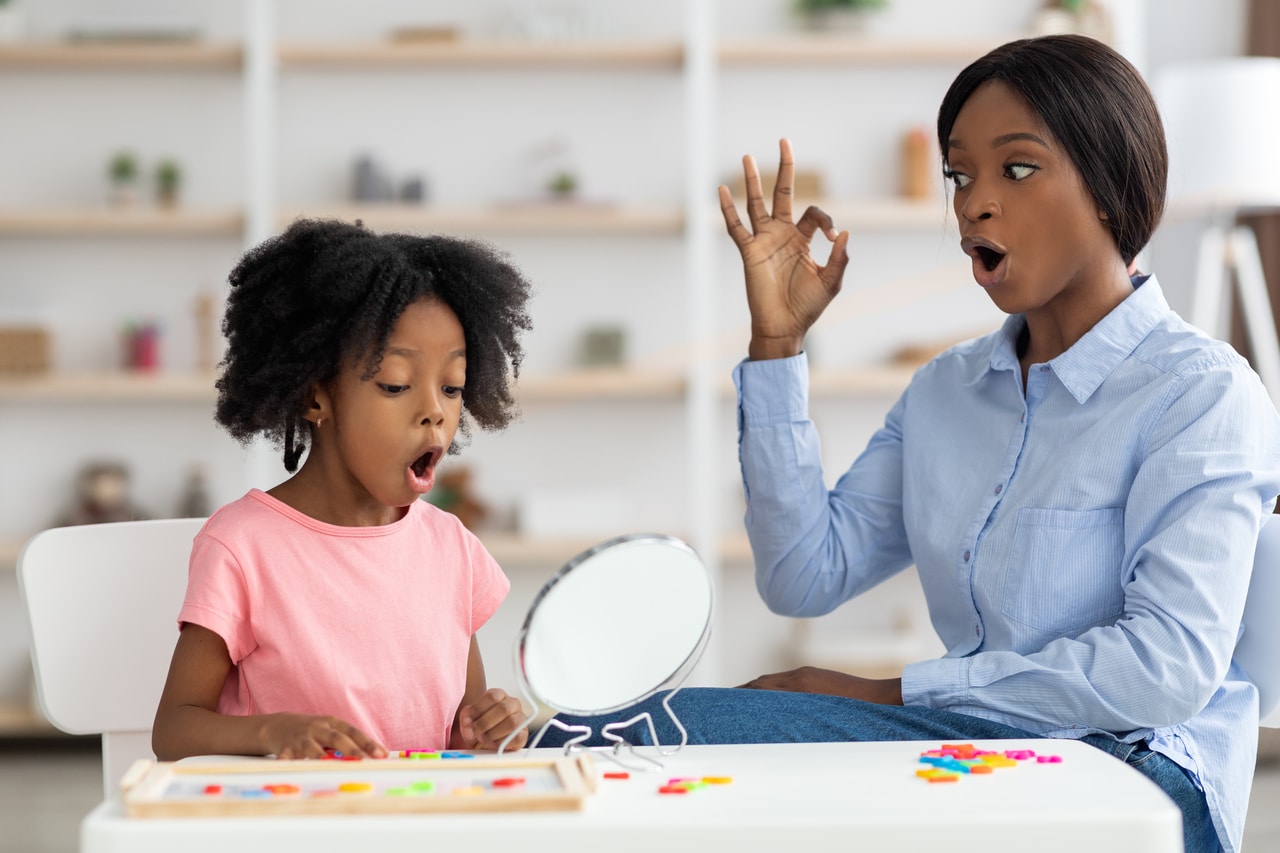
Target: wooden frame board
[{"x": 244, "y": 787}]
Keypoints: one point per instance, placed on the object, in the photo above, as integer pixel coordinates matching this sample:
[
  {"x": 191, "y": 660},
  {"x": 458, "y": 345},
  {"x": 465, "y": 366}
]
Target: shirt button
[
  {"x": 1022, "y": 418},
  {"x": 977, "y": 632},
  {"x": 966, "y": 556},
  {"x": 999, "y": 489},
  {"x": 1044, "y": 368}
]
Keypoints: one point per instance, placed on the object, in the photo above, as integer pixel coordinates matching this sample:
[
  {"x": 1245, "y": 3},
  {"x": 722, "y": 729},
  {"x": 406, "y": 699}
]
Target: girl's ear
[{"x": 321, "y": 407}]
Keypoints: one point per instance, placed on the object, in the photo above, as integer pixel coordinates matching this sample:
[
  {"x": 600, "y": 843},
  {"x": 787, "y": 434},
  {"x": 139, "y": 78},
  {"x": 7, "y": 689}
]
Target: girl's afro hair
[{"x": 323, "y": 293}]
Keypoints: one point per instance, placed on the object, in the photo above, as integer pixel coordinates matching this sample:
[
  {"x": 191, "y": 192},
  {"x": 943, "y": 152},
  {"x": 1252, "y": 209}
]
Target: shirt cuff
[
  {"x": 936, "y": 683},
  {"x": 772, "y": 391}
]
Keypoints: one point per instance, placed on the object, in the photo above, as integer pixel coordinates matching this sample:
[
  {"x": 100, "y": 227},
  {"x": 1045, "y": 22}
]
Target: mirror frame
[{"x": 677, "y": 676}]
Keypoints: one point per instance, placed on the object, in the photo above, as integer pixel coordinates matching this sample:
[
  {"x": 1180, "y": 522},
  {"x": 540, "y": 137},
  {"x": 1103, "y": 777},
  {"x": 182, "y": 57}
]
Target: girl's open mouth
[
  {"x": 423, "y": 463},
  {"x": 421, "y": 474}
]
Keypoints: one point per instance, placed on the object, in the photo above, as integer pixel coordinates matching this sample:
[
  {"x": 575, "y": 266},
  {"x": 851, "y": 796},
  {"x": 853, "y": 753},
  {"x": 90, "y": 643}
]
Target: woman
[{"x": 1081, "y": 490}]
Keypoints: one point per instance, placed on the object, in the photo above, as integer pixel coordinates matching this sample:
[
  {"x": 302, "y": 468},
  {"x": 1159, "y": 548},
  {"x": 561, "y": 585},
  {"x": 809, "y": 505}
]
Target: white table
[{"x": 790, "y": 797}]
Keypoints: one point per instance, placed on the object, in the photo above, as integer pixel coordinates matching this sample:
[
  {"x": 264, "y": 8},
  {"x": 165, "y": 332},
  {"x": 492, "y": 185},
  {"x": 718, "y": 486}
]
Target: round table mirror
[{"x": 615, "y": 625}]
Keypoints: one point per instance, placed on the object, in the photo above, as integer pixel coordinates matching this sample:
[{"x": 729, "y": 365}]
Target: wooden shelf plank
[
  {"x": 533, "y": 218},
  {"x": 10, "y": 547},
  {"x": 127, "y": 222},
  {"x": 110, "y": 387},
  {"x": 20, "y": 720},
  {"x": 840, "y": 49},
  {"x": 121, "y": 55},
  {"x": 490, "y": 54},
  {"x": 602, "y": 384},
  {"x": 587, "y": 385}
]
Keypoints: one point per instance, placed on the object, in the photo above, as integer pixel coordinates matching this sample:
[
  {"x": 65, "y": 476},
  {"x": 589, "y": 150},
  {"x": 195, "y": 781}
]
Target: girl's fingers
[{"x": 784, "y": 187}]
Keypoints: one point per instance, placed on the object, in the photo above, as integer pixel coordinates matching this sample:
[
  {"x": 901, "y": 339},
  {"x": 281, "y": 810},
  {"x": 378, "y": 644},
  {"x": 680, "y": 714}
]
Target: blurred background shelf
[
  {"x": 110, "y": 387},
  {"x": 123, "y": 222},
  {"x": 524, "y": 218},
  {"x": 589, "y": 54},
  {"x": 845, "y": 49},
  {"x": 122, "y": 55}
]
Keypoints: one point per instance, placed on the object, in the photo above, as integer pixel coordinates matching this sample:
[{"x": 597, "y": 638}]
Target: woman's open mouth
[{"x": 988, "y": 261}]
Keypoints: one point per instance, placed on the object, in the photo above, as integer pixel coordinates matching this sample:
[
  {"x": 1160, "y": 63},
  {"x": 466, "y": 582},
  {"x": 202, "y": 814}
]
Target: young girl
[
  {"x": 1080, "y": 491},
  {"x": 337, "y": 611}
]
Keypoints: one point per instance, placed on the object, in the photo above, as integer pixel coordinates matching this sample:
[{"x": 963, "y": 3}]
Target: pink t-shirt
[{"x": 369, "y": 624}]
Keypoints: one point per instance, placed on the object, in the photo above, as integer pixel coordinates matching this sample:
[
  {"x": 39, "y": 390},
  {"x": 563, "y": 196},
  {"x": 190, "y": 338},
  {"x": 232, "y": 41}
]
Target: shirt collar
[{"x": 1083, "y": 367}]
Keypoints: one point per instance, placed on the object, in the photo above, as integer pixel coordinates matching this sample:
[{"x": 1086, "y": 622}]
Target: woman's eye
[
  {"x": 393, "y": 389},
  {"x": 452, "y": 390},
  {"x": 1018, "y": 171},
  {"x": 959, "y": 179}
]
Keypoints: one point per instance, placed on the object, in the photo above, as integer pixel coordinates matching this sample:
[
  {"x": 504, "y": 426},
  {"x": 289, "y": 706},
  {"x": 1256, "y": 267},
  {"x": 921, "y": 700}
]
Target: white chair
[
  {"x": 102, "y": 602},
  {"x": 1258, "y": 651}
]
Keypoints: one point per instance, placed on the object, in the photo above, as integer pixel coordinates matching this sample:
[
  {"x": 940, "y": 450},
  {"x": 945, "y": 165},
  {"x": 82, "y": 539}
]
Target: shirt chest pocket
[{"x": 1064, "y": 572}]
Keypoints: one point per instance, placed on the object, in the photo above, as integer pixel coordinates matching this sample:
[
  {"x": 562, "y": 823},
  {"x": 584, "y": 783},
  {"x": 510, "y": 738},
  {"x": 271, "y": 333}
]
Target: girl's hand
[
  {"x": 306, "y": 736},
  {"x": 485, "y": 723},
  {"x": 786, "y": 290},
  {"x": 809, "y": 679}
]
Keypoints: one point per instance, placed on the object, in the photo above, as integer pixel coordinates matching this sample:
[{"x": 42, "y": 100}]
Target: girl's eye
[
  {"x": 959, "y": 179},
  {"x": 453, "y": 390},
  {"x": 1018, "y": 171},
  {"x": 393, "y": 389}
]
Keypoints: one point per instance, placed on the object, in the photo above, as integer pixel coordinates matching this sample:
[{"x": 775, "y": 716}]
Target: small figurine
[
  {"x": 195, "y": 496},
  {"x": 102, "y": 495},
  {"x": 452, "y": 493}
]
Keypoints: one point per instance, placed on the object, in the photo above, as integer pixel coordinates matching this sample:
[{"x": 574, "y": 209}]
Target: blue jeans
[{"x": 736, "y": 715}]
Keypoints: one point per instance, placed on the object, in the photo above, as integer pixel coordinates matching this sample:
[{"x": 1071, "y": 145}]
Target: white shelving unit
[{"x": 689, "y": 389}]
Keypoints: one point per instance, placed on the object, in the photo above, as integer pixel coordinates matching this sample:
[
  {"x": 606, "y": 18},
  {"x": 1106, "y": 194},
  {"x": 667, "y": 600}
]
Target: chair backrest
[
  {"x": 1258, "y": 651},
  {"x": 101, "y": 603}
]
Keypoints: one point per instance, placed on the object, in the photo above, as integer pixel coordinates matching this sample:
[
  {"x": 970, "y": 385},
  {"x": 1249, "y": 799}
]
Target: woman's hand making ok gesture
[{"x": 786, "y": 290}]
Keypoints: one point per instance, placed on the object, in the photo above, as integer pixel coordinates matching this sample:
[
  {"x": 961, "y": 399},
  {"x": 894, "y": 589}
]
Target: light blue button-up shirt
[{"x": 1084, "y": 548}]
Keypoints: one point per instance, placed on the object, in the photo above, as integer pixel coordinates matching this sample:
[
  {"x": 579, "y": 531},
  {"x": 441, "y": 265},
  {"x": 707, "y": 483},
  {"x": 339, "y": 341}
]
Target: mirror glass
[{"x": 615, "y": 625}]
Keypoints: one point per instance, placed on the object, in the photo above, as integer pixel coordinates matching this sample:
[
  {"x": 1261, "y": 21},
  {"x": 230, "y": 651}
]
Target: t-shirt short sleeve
[
  {"x": 489, "y": 586},
  {"x": 217, "y": 596}
]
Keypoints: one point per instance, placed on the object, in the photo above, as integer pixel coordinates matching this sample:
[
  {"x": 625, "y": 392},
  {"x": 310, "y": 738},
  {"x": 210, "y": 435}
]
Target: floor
[{"x": 46, "y": 787}]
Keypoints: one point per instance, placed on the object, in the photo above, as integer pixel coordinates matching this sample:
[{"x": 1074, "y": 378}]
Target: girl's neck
[{"x": 333, "y": 503}]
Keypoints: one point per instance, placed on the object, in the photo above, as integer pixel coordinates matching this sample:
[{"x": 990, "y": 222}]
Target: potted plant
[
  {"x": 123, "y": 174},
  {"x": 563, "y": 185},
  {"x": 837, "y": 14},
  {"x": 168, "y": 182}
]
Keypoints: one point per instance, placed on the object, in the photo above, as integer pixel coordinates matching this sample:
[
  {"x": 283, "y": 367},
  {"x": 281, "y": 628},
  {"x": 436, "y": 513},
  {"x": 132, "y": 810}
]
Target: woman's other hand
[{"x": 786, "y": 289}]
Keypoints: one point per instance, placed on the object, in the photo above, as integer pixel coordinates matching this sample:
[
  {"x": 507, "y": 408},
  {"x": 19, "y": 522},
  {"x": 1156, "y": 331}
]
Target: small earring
[{"x": 318, "y": 422}]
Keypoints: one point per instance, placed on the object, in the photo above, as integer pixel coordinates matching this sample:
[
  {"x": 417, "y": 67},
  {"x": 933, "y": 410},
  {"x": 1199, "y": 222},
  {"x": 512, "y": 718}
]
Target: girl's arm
[
  {"x": 485, "y": 717},
  {"x": 187, "y": 721}
]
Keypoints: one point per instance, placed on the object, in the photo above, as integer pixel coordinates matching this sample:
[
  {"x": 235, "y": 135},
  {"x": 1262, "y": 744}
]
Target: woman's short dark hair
[
  {"x": 1099, "y": 109},
  {"x": 305, "y": 303}
]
